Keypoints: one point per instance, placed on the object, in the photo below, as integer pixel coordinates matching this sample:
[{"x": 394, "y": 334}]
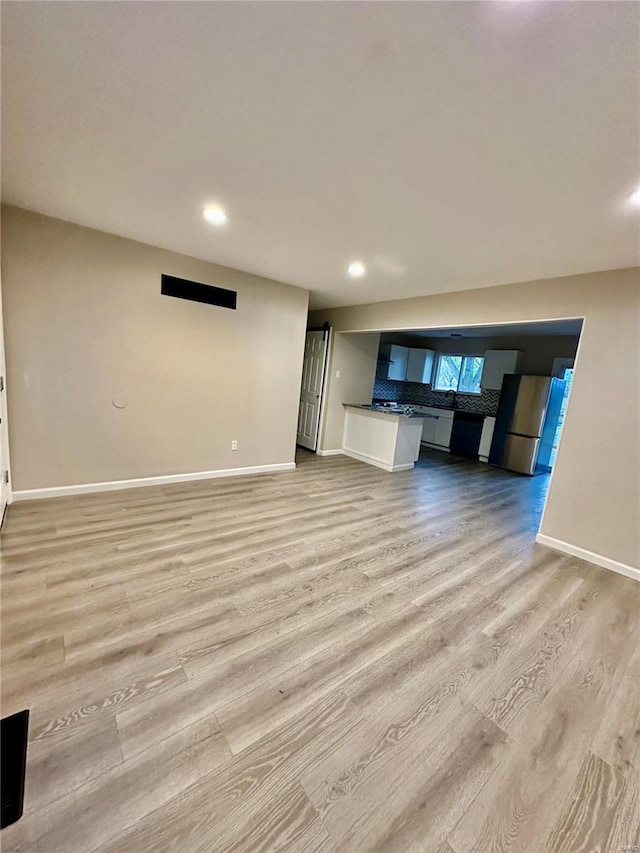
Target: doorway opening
[
  {"x": 312, "y": 387},
  {"x": 566, "y": 374}
]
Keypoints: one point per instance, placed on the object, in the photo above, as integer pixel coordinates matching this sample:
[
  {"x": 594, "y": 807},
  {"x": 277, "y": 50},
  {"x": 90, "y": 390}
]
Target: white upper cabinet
[
  {"x": 419, "y": 365},
  {"x": 497, "y": 362},
  {"x": 398, "y": 362},
  {"x": 404, "y": 363}
]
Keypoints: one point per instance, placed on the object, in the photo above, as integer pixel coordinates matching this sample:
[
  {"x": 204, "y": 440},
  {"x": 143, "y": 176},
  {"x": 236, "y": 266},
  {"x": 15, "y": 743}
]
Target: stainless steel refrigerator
[{"x": 527, "y": 423}]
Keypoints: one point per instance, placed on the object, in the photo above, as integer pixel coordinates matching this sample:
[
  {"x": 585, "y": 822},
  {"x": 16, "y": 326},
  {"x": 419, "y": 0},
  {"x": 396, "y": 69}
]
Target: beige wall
[
  {"x": 355, "y": 357},
  {"x": 85, "y": 324},
  {"x": 593, "y": 501}
]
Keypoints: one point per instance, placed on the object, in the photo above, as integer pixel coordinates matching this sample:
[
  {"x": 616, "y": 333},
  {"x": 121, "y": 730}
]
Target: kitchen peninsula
[{"x": 386, "y": 438}]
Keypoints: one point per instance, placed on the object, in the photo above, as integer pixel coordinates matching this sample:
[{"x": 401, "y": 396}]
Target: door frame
[
  {"x": 560, "y": 365},
  {"x": 5, "y": 488},
  {"x": 325, "y": 374}
]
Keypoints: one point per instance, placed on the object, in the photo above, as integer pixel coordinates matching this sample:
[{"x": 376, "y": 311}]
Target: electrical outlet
[
  {"x": 337, "y": 374},
  {"x": 234, "y": 445}
]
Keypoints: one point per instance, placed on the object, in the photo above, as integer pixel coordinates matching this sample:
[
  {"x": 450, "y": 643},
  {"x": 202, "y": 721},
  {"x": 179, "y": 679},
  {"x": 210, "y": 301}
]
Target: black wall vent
[{"x": 182, "y": 288}]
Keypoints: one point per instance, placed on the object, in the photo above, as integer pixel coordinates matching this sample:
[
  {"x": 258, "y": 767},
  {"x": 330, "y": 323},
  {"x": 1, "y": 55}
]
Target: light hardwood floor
[{"x": 330, "y": 659}]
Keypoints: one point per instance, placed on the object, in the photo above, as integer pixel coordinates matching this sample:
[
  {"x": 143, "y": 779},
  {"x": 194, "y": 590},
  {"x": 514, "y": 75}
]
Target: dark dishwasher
[{"x": 465, "y": 435}]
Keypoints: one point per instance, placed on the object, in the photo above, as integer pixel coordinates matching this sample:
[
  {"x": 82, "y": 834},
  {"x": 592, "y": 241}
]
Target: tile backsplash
[{"x": 422, "y": 395}]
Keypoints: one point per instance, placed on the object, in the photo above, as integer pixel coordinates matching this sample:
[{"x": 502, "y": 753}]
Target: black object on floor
[{"x": 13, "y": 760}]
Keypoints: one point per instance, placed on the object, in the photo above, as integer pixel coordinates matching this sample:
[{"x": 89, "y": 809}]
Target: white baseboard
[
  {"x": 371, "y": 460},
  {"x": 337, "y": 452},
  {"x": 87, "y": 488},
  {"x": 589, "y": 556}
]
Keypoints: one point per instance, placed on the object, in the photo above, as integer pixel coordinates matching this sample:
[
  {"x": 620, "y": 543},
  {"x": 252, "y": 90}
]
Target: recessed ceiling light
[
  {"x": 634, "y": 198},
  {"x": 356, "y": 269},
  {"x": 215, "y": 215}
]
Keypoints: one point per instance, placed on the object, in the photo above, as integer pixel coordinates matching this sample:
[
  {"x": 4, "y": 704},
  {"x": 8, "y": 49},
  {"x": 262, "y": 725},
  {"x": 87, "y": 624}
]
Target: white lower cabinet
[
  {"x": 443, "y": 431},
  {"x": 436, "y": 426},
  {"x": 436, "y": 430},
  {"x": 429, "y": 426},
  {"x": 486, "y": 438}
]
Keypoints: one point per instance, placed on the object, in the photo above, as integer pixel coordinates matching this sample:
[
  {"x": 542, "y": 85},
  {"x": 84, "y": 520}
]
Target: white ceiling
[{"x": 446, "y": 145}]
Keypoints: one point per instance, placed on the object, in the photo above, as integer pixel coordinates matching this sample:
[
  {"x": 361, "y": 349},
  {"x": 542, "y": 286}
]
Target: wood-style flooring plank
[
  {"x": 617, "y": 740},
  {"x": 521, "y": 803},
  {"x": 81, "y": 753},
  {"x": 596, "y": 808},
  {"x": 246, "y": 788},
  {"x": 109, "y": 804},
  {"x": 411, "y": 801},
  {"x": 330, "y": 659}
]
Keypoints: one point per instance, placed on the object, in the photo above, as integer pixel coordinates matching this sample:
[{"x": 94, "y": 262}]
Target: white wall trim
[
  {"x": 87, "y": 488},
  {"x": 589, "y": 556},
  {"x": 443, "y": 325},
  {"x": 371, "y": 460},
  {"x": 564, "y": 427},
  {"x": 337, "y": 452}
]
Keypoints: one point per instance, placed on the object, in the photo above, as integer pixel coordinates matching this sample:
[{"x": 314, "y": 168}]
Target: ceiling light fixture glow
[
  {"x": 214, "y": 215},
  {"x": 634, "y": 198},
  {"x": 356, "y": 269}
]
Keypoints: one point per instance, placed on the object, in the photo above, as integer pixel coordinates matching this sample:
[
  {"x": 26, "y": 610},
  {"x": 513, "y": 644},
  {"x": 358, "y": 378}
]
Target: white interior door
[
  {"x": 4, "y": 434},
  {"x": 315, "y": 354}
]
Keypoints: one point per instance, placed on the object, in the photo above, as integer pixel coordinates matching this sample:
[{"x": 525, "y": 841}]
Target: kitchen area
[{"x": 494, "y": 394}]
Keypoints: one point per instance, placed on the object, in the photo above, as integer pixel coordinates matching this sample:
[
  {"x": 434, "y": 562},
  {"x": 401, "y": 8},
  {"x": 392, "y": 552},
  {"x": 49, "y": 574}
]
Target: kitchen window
[{"x": 460, "y": 373}]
